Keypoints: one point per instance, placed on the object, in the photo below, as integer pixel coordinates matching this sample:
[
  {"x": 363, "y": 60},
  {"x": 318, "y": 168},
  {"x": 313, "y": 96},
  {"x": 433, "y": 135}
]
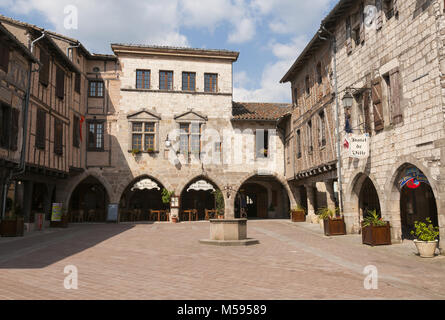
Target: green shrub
[
  {"x": 373, "y": 219},
  {"x": 325, "y": 213},
  {"x": 219, "y": 201},
  {"x": 166, "y": 196},
  {"x": 425, "y": 231}
]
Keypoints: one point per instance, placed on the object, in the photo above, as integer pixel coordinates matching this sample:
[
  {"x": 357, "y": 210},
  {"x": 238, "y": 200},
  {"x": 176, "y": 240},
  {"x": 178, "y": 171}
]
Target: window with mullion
[
  {"x": 143, "y": 136},
  {"x": 165, "y": 80},
  {"x": 210, "y": 82},
  {"x": 96, "y": 89},
  {"x": 95, "y": 136},
  {"x": 143, "y": 79},
  {"x": 188, "y": 81}
]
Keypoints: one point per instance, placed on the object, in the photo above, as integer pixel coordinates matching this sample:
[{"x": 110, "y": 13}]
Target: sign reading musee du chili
[{"x": 358, "y": 146}]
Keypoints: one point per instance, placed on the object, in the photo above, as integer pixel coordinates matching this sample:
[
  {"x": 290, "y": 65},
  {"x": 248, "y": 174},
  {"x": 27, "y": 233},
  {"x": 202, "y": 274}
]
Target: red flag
[
  {"x": 346, "y": 144},
  {"x": 82, "y": 119}
]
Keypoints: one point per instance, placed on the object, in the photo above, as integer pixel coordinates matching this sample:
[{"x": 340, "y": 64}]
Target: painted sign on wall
[
  {"x": 358, "y": 146},
  {"x": 412, "y": 179}
]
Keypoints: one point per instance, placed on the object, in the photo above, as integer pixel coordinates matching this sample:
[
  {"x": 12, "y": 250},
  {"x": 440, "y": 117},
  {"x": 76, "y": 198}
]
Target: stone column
[
  {"x": 229, "y": 204},
  {"x": 311, "y": 203},
  {"x": 47, "y": 205},
  {"x": 330, "y": 194}
]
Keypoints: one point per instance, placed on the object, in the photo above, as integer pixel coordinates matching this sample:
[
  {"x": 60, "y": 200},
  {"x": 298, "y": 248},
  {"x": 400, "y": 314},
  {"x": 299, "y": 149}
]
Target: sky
[{"x": 269, "y": 34}]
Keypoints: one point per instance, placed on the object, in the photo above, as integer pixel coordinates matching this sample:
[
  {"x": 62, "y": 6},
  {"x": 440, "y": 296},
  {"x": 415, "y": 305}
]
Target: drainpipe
[
  {"x": 337, "y": 122},
  {"x": 71, "y": 47},
  {"x": 21, "y": 168}
]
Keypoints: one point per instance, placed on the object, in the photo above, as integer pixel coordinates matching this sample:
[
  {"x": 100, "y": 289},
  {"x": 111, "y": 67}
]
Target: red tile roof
[{"x": 259, "y": 111}]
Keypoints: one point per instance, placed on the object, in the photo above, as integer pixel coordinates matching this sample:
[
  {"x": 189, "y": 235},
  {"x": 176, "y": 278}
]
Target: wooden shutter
[
  {"x": 378, "y": 106},
  {"x": 40, "y": 129},
  {"x": 5, "y": 125},
  {"x": 379, "y": 17},
  {"x": 366, "y": 113},
  {"x": 396, "y": 110},
  {"x": 14, "y": 128},
  {"x": 44, "y": 70},
  {"x": 76, "y": 131},
  {"x": 4, "y": 56},
  {"x": 77, "y": 83},
  {"x": 60, "y": 82},
  {"x": 58, "y": 136}
]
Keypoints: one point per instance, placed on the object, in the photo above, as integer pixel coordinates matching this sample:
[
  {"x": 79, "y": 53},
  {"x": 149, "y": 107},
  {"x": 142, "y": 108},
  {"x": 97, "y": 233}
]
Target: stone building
[
  {"x": 390, "y": 61},
  {"x": 143, "y": 119},
  {"x": 311, "y": 160}
]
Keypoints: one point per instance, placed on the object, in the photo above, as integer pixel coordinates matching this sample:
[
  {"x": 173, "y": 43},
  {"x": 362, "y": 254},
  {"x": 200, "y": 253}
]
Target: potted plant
[
  {"x": 298, "y": 214},
  {"x": 219, "y": 203},
  {"x": 14, "y": 224},
  {"x": 375, "y": 231},
  {"x": 426, "y": 241},
  {"x": 135, "y": 152},
  {"x": 272, "y": 213},
  {"x": 333, "y": 223},
  {"x": 150, "y": 150},
  {"x": 166, "y": 199}
]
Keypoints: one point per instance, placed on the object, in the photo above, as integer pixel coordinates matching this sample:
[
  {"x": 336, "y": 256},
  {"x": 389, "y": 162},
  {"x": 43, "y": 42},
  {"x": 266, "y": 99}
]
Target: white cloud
[
  {"x": 244, "y": 31},
  {"x": 270, "y": 89}
]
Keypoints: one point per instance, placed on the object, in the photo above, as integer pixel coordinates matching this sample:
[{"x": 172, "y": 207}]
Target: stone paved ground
[{"x": 165, "y": 261}]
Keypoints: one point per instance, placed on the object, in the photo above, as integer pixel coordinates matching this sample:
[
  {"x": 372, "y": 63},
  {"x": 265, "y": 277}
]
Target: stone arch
[
  {"x": 351, "y": 210},
  {"x": 394, "y": 195},
  {"x": 75, "y": 182},
  {"x": 199, "y": 200},
  {"x": 131, "y": 179}
]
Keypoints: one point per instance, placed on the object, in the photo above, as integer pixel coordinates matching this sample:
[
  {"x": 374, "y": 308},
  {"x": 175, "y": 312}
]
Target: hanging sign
[
  {"x": 147, "y": 184},
  {"x": 201, "y": 185},
  {"x": 56, "y": 212},
  {"x": 412, "y": 179},
  {"x": 358, "y": 146}
]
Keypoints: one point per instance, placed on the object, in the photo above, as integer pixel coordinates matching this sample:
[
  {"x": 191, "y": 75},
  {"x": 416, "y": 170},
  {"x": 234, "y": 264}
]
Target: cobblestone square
[{"x": 162, "y": 261}]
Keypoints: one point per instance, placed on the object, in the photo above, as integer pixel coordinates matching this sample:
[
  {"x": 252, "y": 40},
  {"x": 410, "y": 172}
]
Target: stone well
[{"x": 229, "y": 232}]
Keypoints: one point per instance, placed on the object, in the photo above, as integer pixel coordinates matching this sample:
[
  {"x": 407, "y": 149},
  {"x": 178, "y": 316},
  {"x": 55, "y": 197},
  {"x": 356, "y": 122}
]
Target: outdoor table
[{"x": 158, "y": 213}]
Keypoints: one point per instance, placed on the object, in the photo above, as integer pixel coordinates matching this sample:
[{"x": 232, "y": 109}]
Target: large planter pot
[
  {"x": 12, "y": 228},
  {"x": 63, "y": 223},
  {"x": 175, "y": 219},
  {"x": 426, "y": 248},
  {"x": 376, "y": 235},
  {"x": 334, "y": 226},
  {"x": 298, "y": 216}
]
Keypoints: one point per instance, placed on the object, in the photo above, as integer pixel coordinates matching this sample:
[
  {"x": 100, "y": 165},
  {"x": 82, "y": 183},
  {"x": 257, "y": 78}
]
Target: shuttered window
[
  {"x": 40, "y": 129},
  {"x": 366, "y": 113},
  {"x": 76, "y": 132},
  {"x": 5, "y": 125},
  {"x": 58, "y": 136},
  {"x": 14, "y": 128},
  {"x": 321, "y": 129},
  {"x": 60, "y": 82},
  {"x": 378, "y": 105},
  {"x": 310, "y": 145},
  {"x": 77, "y": 83},
  {"x": 262, "y": 143},
  {"x": 44, "y": 69},
  {"x": 4, "y": 56},
  {"x": 298, "y": 144},
  {"x": 396, "y": 110}
]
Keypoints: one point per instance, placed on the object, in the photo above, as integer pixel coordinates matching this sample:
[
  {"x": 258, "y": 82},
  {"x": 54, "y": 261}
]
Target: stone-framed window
[
  {"x": 310, "y": 145},
  {"x": 142, "y": 79},
  {"x": 188, "y": 81},
  {"x": 95, "y": 135},
  {"x": 143, "y": 136},
  {"x": 190, "y": 138},
  {"x": 165, "y": 80},
  {"x": 96, "y": 89},
  {"x": 210, "y": 82},
  {"x": 298, "y": 143},
  {"x": 262, "y": 150}
]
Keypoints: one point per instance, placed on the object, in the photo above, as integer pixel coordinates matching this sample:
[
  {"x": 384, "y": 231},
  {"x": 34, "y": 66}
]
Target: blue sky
[{"x": 269, "y": 34}]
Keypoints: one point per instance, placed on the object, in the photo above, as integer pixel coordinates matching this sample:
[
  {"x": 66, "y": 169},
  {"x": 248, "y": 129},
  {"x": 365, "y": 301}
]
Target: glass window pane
[
  {"x": 184, "y": 144},
  {"x": 195, "y": 128},
  {"x": 194, "y": 144},
  {"x": 92, "y": 89},
  {"x": 149, "y": 127},
  {"x": 137, "y": 141},
  {"x": 149, "y": 142},
  {"x": 137, "y": 126}
]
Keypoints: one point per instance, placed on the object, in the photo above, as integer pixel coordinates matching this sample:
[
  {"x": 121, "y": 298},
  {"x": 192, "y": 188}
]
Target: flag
[{"x": 82, "y": 119}]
